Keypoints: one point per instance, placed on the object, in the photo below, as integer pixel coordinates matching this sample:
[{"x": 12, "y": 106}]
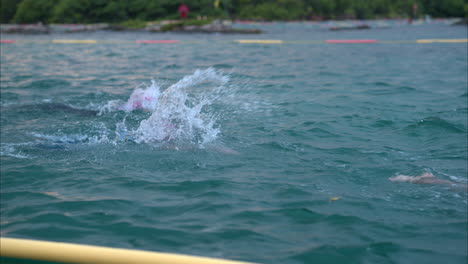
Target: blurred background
[{"x": 87, "y": 11}]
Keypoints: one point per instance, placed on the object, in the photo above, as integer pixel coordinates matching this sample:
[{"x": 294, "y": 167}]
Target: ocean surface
[{"x": 270, "y": 153}]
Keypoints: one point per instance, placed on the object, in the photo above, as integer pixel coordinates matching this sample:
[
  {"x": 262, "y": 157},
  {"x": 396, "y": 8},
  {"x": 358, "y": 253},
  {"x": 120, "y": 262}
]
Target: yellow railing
[{"x": 83, "y": 254}]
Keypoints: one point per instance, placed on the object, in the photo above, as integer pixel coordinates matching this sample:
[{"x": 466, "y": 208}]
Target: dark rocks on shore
[
  {"x": 52, "y": 28},
  {"x": 217, "y": 26},
  {"x": 358, "y": 27},
  {"x": 461, "y": 22},
  {"x": 25, "y": 29}
]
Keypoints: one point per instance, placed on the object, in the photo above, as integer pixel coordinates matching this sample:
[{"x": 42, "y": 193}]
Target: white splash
[
  {"x": 143, "y": 98},
  {"x": 178, "y": 113}
]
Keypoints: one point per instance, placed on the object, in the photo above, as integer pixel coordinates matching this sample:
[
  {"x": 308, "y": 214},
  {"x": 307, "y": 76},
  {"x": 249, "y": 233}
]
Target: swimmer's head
[
  {"x": 427, "y": 175},
  {"x": 401, "y": 178}
]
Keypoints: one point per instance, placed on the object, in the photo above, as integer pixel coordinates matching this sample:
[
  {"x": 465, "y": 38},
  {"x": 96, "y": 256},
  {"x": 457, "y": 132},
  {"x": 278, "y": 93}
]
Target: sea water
[{"x": 275, "y": 153}]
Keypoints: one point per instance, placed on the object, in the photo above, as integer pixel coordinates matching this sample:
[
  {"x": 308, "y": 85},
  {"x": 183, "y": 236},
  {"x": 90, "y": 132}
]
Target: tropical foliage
[{"x": 116, "y": 11}]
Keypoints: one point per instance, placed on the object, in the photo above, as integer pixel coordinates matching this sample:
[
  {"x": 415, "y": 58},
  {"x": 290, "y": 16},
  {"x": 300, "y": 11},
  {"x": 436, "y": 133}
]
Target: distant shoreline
[
  {"x": 189, "y": 26},
  {"x": 196, "y": 26}
]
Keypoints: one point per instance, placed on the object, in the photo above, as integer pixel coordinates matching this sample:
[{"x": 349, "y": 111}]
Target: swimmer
[
  {"x": 139, "y": 101},
  {"x": 143, "y": 98},
  {"x": 425, "y": 178}
]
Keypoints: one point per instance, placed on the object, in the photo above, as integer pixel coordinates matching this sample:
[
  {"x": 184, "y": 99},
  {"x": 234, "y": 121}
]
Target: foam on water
[
  {"x": 74, "y": 138},
  {"x": 11, "y": 150},
  {"x": 54, "y": 141},
  {"x": 100, "y": 137}
]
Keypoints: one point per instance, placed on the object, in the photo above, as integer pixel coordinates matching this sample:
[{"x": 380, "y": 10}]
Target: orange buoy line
[
  {"x": 347, "y": 41},
  {"x": 239, "y": 41}
]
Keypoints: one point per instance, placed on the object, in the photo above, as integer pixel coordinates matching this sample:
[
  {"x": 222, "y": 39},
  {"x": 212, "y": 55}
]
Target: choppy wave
[
  {"x": 437, "y": 124},
  {"x": 319, "y": 133}
]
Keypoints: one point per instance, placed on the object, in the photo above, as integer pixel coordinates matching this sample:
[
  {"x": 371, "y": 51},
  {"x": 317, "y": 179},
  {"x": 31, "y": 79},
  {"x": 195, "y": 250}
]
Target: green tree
[
  {"x": 71, "y": 11},
  {"x": 8, "y": 10},
  {"x": 146, "y": 9},
  {"x": 33, "y": 11},
  {"x": 109, "y": 11},
  {"x": 136, "y": 11},
  {"x": 450, "y": 8},
  {"x": 363, "y": 9},
  {"x": 281, "y": 9}
]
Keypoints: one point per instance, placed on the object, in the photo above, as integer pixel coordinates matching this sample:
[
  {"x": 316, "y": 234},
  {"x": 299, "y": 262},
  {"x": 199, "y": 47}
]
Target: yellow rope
[{"x": 441, "y": 40}]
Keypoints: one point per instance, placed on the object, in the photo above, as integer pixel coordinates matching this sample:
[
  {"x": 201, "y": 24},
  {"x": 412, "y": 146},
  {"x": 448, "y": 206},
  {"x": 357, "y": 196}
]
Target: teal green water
[{"x": 251, "y": 162}]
